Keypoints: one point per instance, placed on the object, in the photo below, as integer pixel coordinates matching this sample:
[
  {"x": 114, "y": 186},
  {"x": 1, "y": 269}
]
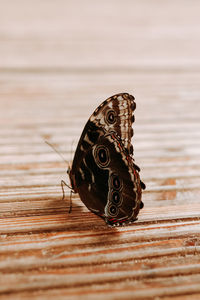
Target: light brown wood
[{"x": 58, "y": 61}]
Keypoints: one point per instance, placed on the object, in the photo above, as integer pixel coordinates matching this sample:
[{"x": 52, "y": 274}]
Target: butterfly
[{"x": 103, "y": 170}]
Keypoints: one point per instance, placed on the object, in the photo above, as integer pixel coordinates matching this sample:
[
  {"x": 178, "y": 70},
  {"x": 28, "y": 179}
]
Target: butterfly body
[{"x": 103, "y": 170}]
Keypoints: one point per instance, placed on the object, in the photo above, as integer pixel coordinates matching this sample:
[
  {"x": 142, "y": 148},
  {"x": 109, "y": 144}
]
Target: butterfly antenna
[{"x": 54, "y": 148}]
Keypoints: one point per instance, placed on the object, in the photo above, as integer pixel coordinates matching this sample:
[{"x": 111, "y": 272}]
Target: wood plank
[{"x": 58, "y": 62}]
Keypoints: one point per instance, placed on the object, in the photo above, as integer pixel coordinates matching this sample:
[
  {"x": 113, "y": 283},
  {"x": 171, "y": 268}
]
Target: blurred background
[
  {"x": 108, "y": 35},
  {"x": 61, "y": 54}
]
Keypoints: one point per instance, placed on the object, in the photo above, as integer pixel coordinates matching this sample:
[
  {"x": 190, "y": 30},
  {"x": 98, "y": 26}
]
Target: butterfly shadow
[{"x": 80, "y": 219}]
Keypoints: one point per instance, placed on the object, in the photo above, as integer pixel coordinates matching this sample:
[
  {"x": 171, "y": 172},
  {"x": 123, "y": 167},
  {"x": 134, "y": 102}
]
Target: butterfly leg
[
  {"x": 70, "y": 202},
  {"x": 63, "y": 191}
]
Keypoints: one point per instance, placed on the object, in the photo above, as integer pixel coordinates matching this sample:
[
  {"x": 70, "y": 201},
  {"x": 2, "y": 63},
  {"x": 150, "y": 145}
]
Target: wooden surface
[{"x": 58, "y": 61}]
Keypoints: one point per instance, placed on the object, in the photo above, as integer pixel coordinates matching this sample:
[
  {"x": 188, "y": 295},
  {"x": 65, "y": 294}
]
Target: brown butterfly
[{"x": 103, "y": 171}]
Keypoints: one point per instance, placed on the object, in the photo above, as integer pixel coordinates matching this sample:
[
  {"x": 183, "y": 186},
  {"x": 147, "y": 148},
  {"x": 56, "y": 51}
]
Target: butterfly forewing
[{"x": 116, "y": 114}]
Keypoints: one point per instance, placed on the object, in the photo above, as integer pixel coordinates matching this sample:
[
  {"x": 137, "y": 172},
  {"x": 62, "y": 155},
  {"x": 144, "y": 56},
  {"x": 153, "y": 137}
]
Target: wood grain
[{"x": 58, "y": 62}]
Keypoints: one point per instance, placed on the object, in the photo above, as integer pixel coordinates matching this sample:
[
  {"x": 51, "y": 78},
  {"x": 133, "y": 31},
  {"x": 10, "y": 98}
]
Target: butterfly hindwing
[
  {"x": 114, "y": 114},
  {"x": 108, "y": 183}
]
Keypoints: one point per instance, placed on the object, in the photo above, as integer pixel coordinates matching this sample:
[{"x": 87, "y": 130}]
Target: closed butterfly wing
[{"x": 103, "y": 171}]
